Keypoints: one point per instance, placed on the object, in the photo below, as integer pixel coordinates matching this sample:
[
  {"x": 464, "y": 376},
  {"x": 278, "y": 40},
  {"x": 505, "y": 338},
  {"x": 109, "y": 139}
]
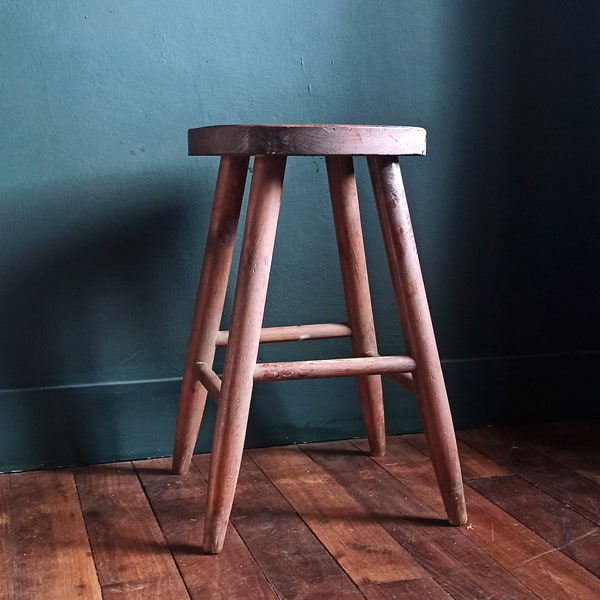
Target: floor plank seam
[
  {"x": 315, "y": 519},
  {"x": 164, "y": 537},
  {"x": 87, "y": 531}
]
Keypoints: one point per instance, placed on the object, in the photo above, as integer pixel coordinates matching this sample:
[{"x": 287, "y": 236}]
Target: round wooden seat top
[{"x": 306, "y": 140}]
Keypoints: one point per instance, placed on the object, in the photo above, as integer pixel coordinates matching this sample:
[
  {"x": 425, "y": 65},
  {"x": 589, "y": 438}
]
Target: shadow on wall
[
  {"x": 551, "y": 229},
  {"x": 93, "y": 293},
  {"x": 522, "y": 266},
  {"x": 518, "y": 230},
  {"x": 506, "y": 207}
]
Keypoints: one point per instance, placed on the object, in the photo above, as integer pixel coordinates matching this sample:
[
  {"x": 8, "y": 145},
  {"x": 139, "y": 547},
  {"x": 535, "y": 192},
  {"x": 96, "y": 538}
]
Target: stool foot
[
  {"x": 216, "y": 265},
  {"x": 242, "y": 348},
  {"x": 215, "y": 530},
  {"x": 414, "y": 311},
  {"x": 353, "y": 265},
  {"x": 456, "y": 508}
]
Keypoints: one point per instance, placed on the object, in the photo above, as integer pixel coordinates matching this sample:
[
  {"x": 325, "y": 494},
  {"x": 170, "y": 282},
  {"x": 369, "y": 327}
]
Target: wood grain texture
[
  {"x": 575, "y": 445},
  {"x": 411, "y": 589},
  {"x": 511, "y": 544},
  {"x": 288, "y": 553},
  {"x": 47, "y": 539},
  {"x": 555, "y": 577},
  {"x": 295, "y": 333},
  {"x": 178, "y": 503},
  {"x": 458, "y": 565},
  {"x": 557, "y": 523},
  {"x": 240, "y": 359},
  {"x": 305, "y": 140},
  {"x": 332, "y": 367},
  {"x": 357, "y": 295},
  {"x": 560, "y": 482},
  {"x": 6, "y": 547},
  {"x": 216, "y": 265},
  {"x": 474, "y": 464},
  {"x": 411, "y": 299},
  {"x": 131, "y": 555},
  {"x": 357, "y": 541},
  {"x": 520, "y": 542}
]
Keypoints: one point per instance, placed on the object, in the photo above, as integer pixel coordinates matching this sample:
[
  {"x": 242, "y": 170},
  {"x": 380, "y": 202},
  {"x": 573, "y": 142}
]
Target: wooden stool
[{"x": 420, "y": 372}]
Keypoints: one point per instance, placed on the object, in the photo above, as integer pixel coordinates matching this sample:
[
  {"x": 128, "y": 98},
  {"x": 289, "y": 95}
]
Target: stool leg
[
  {"x": 353, "y": 264},
  {"x": 216, "y": 265},
  {"x": 242, "y": 348},
  {"x": 412, "y": 304}
]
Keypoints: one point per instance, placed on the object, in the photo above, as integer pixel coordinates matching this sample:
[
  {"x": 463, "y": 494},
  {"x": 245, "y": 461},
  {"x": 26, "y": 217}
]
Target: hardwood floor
[{"x": 317, "y": 521}]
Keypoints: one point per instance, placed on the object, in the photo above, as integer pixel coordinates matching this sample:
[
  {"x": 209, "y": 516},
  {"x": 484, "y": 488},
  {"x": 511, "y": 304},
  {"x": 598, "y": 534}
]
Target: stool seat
[
  {"x": 306, "y": 140},
  {"x": 419, "y": 371}
]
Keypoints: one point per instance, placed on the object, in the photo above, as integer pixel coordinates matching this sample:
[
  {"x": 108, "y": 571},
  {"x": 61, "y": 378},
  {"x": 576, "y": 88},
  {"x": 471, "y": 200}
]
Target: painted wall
[{"x": 103, "y": 216}]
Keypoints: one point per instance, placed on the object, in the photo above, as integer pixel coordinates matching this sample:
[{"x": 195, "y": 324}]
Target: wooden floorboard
[
  {"x": 459, "y": 566},
  {"x": 7, "y": 547},
  {"x": 178, "y": 504},
  {"x": 359, "y": 543},
  {"x": 317, "y": 521},
  {"x": 281, "y": 542},
  {"x": 574, "y": 445},
  {"x": 529, "y": 557},
  {"x": 131, "y": 554},
  {"x": 47, "y": 544},
  {"x": 565, "y": 485}
]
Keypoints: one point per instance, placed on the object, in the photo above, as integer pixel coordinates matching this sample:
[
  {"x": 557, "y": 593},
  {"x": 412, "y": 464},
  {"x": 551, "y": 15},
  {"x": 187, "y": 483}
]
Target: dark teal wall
[{"x": 103, "y": 216}]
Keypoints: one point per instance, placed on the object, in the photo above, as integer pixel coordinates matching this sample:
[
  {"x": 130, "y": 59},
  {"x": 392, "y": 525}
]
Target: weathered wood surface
[
  {"x": 206, "y": 320},
  {"x": 290, "y": 556},
  {"x": 294, "y": 333},
  {"x": 7, "y": 549},
  {"x": 357, "y": 295},
  {"x": 131, "y": 554},
  {"x": 44, "y": 551},
  {"x": 411, "y": 299},
  {"x": 575, "y": 445},
  {"x": 526, "y": 555},
  {"x": 310, "y": 522},
  {"x": 305, "y": 140},
  {"x": 361, "y": 545},
  {"x": 332, "y": 367},
  {"x": 209, "y": 379},
  {"x": 458, "y": 565},
  {"x": 178, "y": 504},
  {"x": 240, "y": 359},
  {"x": 564, "y": 484}
]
